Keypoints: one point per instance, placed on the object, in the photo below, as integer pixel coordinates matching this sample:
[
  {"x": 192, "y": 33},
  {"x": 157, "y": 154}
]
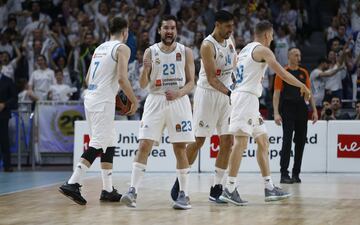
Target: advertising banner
[
  {"x": 56, "y": 125},
  {"x": 343, "y": 146},
  {"x": 161, "y": 158},
  {"x": 314, "y": 158}
]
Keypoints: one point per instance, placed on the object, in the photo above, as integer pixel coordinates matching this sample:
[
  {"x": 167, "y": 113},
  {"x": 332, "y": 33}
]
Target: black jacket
[{"x": 8, "y": 96}]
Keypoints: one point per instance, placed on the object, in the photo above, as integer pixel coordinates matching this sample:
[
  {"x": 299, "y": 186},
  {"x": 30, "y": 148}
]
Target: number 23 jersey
[
  {"x": 249, "y": 72},
  {"x": 168, "y": 69}
]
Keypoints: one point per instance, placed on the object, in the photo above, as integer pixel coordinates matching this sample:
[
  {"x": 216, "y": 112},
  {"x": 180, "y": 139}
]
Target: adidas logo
[{"x": 79, "y": 167}]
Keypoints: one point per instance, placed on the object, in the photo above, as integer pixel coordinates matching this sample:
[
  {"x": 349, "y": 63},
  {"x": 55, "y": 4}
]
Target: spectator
[
  {"x": 60, "y": 91},
  {"x": 355, "y": 16},
  {"x": 41, "y": 79},
  {"x": 333, "y": 84},
  {"x": 331, "y": 31},
  {"x": 8, "y": 67},
  {"x": 317, "y": 80},
  {"x": 282, "y": 45},
  {"x": 337, "y": 109},
  {"x": 327, "y": 113}
]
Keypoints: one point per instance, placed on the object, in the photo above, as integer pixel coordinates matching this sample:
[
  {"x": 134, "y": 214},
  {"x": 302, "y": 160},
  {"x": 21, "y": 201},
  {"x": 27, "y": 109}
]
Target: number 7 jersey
[
  {"x": 103, "y": 79},
  {"x": 249, "y": 72}
]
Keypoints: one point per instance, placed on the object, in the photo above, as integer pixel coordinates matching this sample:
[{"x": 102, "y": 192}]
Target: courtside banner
[
  {"x": 343, "y": 146},
  {"x": 56, "y": 124},
  {"x": 161, "y": 158},
  {"x": 314, "y": 158}
]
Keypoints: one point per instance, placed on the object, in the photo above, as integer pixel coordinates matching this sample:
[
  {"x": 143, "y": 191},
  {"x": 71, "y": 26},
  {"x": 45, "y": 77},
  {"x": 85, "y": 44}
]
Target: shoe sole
[
  {"x": 216, "y": 200},
  {"x": 276, "y": 198},
  {"x": 222, "y": 198},
  {"x": 109, "y": 200},
  {"x": 70, "y": 197},
  {"x": 180, "y": 206},
  {"x": 127, "y": 201}
]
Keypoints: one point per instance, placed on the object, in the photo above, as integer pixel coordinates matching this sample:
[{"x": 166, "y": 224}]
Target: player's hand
[
  {"x": 172, "y": 95},
  {"x": 278, "y": 119},
  {"x": 134, "y": 107},
  {"x": 305, "y": 92},
  {"x": 315, "y": 117}
]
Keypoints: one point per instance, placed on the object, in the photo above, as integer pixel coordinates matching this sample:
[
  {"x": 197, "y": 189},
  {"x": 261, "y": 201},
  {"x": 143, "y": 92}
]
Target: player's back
[
  {"x": 249, "y": 72},
  {"x": 103, "y": 80}
]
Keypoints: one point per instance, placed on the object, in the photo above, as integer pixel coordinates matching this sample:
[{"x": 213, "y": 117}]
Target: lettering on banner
[{"x": 348, "y": 146}]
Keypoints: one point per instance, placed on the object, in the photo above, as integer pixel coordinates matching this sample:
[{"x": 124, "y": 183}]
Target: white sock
[
  {"x": 78, "y": 173},
  {"x": 218, "y": 176},
  {"x": 231, "y": 183},
  {"x": 268, "y": 183},
  {"x": 137, "y": 174},
  {"x": 107, "y": 180},
  {"x": 183, "y": 176}
]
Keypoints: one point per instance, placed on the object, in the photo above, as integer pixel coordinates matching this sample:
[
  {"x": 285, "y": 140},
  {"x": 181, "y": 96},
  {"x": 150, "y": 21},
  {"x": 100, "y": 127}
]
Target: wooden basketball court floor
[{"x": 320, "y": 199}]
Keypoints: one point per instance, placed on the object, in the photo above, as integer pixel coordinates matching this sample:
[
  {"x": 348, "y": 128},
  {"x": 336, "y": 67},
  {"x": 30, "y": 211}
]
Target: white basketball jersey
[
  {"x": 249, "y": 72},
  {"x": 168, "y": 69},
  {"x": 103, "y": 80},
  {"x": 224, "y": 63}
]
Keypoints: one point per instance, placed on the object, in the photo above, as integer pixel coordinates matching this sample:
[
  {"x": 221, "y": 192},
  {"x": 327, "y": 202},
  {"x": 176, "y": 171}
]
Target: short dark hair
[
  {"x": 117, "y": 24},
  {"x": 167, "y": 18},
  {"x": 223, "y": 16},
  {"x": 263, "y": 26},
  {"x": 323, "y": 60}
]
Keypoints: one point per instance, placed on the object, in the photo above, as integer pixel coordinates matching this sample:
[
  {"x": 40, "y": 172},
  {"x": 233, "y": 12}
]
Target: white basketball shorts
[
  {"x": 175, "y": 115},
  {"x": 211, "y": 110},
  {"x": 101, "y": 119},
  {"x": 245, "y": 119}
]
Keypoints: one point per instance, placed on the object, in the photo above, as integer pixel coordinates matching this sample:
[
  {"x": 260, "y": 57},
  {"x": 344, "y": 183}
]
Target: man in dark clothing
[
  {"x": 292, "y": 113},
  {"x": 8, "y": 101}
]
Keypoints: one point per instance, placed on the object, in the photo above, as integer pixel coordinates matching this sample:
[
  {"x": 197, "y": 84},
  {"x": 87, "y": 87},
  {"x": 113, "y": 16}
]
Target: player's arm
[
  {"x": 145, "y": 73},
  {"x": 207, "y": 53},
  {"x": 189, "y": 73},
  {"x": 87, "y": 77},
  {"x": 123, "y": 55},
  {"x": 262, "y": 53},
  {"x": 276, "y": 100}
]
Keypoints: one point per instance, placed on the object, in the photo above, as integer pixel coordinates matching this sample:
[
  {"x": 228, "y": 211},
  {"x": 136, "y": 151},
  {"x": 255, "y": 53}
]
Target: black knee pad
[
  {"x": 91, "y": 154},
  {"x": 108, "y": 156}
]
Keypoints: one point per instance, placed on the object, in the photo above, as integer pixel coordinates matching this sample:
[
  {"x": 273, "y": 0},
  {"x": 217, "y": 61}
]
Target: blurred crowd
[{"x": 46, "y": 46}]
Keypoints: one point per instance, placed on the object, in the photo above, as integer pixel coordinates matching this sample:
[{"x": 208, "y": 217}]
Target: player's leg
[
  {"x": 221, "y": 165},
  {"x": 192, "y": 149},
  {"x": 182, "y": 171},
  {"x": 138, "y": 171},
  {"x": 272, "y": 193},
  {"x": 230, "y": 193},
  {"x": 150, "y": 131},
  {"x": 108, "y": 193},
  {"x": 71, "y": 188}
]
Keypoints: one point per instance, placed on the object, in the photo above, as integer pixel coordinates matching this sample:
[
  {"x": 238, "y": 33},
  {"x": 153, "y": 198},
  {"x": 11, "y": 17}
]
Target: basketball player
[
  {"x": 108, "y": 70},
  {"x": 245, "y": 119},
  {"x": 169, "y": 74},
  {"x": 211, "y": 100}
]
